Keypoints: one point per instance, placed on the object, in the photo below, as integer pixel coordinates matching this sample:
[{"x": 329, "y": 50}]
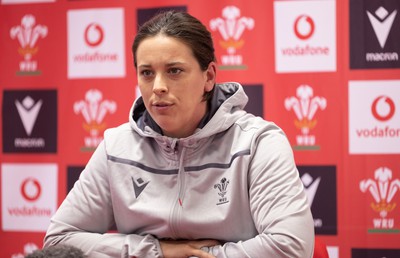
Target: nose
[{"x": 160, "y": 85}]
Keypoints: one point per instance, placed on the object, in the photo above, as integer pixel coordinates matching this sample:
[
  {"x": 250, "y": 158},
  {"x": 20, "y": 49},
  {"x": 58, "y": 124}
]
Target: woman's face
[{"x": 172, "y": 84}]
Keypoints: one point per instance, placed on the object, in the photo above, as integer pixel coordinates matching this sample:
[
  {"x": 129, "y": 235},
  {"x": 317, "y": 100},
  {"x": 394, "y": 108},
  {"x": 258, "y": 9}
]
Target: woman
[{"x": 192, "y": 174}]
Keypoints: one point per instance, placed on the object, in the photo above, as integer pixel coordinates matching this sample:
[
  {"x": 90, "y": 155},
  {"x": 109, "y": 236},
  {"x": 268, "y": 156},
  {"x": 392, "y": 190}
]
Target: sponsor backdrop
[{"x": 326, "y": 71}]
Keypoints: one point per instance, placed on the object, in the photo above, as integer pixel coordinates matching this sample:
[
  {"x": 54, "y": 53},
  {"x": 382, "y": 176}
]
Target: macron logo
[
  {"x": 138, "y": 186},
  {"x": 28, "y": 112},
  {"x": 382, "y": 27},
  {"x": 311, "y": 187}
]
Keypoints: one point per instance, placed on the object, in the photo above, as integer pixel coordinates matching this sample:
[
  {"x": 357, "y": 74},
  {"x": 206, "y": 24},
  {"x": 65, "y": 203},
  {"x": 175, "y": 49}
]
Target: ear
[{"x": 211, "y": 74}]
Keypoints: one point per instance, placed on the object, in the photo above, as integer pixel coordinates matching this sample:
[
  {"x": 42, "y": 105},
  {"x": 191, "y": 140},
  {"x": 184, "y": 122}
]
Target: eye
[
  {"x": 146, "y": 73},
  {"x": 174, "y": 71}
]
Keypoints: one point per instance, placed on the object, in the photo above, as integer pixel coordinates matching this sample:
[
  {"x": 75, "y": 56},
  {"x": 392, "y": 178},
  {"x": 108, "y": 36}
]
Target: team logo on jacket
[
  {"x": 93, "y": 109},
  {"x": 222, "y": 191},
  {"x": 305, "y": 106},
  {"x": 231, "y": 28},
  {"x": 383, "y": 189},
  {"x": 28, "y": 33}
]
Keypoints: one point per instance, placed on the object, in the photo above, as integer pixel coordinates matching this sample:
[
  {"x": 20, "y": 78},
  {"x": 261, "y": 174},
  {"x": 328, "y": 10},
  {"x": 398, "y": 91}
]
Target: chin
[{"x": 165, "y": 125}]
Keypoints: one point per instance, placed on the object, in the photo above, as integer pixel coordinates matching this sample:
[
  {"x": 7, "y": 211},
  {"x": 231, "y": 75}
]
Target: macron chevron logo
[
  {"x": 311, "y": 186},
  {"x": 138, "y": 186},
  {"x": 28, "y": 112},
  {"x": 383, "y": 25}
]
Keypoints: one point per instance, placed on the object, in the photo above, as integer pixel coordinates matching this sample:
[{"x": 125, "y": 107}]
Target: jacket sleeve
[
  {"x": 278, "y": 205},
  {"x": 85, "y": 217}
]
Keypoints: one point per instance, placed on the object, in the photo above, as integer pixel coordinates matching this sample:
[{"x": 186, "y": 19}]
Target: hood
[{"x": 225, "y": 107}]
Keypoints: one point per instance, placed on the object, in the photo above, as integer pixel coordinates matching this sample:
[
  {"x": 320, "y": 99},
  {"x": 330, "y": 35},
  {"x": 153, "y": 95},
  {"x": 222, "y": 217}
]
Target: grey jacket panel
[{"x": 233, "y": 180}]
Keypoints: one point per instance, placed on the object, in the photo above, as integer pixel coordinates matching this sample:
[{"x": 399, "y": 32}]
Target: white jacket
[{"x": 234, "y": 180}]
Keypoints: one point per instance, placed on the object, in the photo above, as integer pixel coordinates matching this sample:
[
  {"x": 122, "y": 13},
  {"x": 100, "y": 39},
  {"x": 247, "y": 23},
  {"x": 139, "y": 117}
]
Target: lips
[{"x": 161, "y": 105}]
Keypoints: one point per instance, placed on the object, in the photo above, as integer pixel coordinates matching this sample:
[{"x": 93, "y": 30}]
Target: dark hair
[
  {"x": 58, "y": 251},
  {"x": 182, "y": 26}
]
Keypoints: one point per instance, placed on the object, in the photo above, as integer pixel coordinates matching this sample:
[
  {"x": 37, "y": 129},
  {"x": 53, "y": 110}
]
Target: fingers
[
  {"x": 187, "y": 248},
  {"x": 200, "y": 243},
  {"x": 201, "y": 248},
  {"x": 198, "y": 253}
]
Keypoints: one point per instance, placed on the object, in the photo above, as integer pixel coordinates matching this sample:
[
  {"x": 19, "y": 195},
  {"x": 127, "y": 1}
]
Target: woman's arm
[
  {"x": 85, "y": 217},
  {"x": 278, "y": 205}
]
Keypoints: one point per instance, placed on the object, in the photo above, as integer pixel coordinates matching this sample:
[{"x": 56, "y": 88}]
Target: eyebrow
[
  {"x": 175, "y": 63},
  {"x": 167, "y": 65}
]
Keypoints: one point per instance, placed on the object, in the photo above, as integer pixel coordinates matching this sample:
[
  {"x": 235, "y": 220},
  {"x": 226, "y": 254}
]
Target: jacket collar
[{"x": 224, "y": 108}]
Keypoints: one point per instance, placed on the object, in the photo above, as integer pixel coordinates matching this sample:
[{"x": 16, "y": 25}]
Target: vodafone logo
[
  {"x": 96, "y": 43},
  {"x": 383, "y": 108},
  {"x": 94, "y": 35},
  {"x": 31, "y": 189},
  {"x": 304, "y": 27},
  {"x": 374, "y": 126},
  {"x": 29, "y": 196},
  {"x": 305, "y": 36}
]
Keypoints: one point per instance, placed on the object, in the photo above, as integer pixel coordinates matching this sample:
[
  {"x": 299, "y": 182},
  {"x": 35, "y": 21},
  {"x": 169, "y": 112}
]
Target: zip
[{"x": 179, "y": 202}]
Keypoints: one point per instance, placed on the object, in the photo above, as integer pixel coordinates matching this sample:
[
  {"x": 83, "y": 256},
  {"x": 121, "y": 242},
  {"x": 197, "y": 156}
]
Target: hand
[{"x": 186, "y": 248}]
